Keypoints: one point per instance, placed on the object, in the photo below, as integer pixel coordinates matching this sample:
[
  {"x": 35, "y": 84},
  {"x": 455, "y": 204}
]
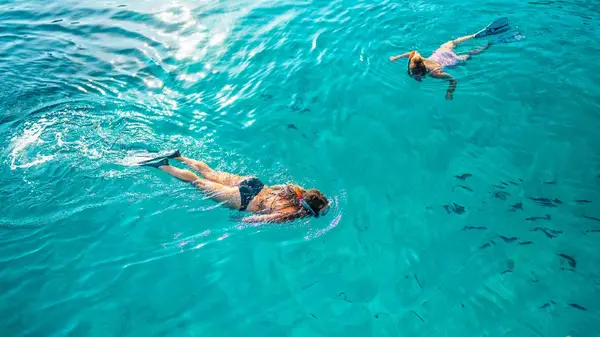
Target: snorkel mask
[
  {"x": 307, "y": 207},
  {"x": 409, "y": 71}
]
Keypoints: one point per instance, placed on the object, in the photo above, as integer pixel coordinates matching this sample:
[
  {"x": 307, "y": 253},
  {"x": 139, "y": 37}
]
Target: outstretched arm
[
  {"x": 445, "y": 76},
  {"x": 394, "y": 58},
  {"x": 267, "y": 218}
]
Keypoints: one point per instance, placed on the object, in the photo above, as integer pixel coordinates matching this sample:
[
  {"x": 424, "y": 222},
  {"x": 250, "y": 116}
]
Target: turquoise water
[{"x": 298, "y": 91}]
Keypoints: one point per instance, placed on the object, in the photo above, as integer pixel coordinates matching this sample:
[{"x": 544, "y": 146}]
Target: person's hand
[
  {"x": 449, "y": 95},
  {"x": 393, "y": 58}
]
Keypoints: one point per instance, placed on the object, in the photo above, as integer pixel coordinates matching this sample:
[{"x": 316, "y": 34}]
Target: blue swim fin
[
  {"x": 496, "y": 27},
  {"x": 510, "y": 37},
  {"x": 170, "y": 154},
  {"x": 162, "y": 159},
  {"x": 154, "y": 162}
]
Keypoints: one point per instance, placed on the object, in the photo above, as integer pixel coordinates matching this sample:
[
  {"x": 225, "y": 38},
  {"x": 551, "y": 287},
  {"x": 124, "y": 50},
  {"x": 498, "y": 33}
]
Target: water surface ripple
[{"x": 472, "y": 217}]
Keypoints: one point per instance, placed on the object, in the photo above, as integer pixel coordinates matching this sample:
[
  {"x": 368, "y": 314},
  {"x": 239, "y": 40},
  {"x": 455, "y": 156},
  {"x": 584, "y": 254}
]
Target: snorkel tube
[{"x": 305, "y": 204}]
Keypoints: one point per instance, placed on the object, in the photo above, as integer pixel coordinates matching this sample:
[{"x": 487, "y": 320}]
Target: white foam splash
[{"x": 31, "y": 136}]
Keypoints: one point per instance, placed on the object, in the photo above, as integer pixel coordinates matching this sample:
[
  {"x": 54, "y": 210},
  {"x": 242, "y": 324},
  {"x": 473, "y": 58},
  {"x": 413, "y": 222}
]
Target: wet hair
[
  {"x": 419, "y": 67},
  {"x": 316, "y": 200}
]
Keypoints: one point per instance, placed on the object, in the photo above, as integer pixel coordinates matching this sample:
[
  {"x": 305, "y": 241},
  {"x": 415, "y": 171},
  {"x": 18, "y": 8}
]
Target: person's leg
[
  {"x": 229, "y": 196},
  {"x": 223, "y": 178},
  {"x": 464, "y": 57},
  {"x": 178, "y": 173},
  {"x": 474, "y": 52},
  {"x": 480, "y": 50},
  {"x": 452, "y": 44}
]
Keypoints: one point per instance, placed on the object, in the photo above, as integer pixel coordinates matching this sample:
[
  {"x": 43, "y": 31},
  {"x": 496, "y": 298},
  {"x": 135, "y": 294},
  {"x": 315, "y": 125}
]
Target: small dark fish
[
  {"x": 57, "y": 21},
  {"x": 75, "y": 22},
  {"x": 501, "y": 195},
  {"x": 454, "y": 208},
  {"x": 553, "y": 182},
  {"x": 422, "y": 320},
  {"x": 506, "y": 271},
  {"x": 577, "y": 306},
  {"x": 546, "y": 305},
  {"x": 310, "y": 285},
  {"x": 292, "y": 126},
  {"x": 508, "y": 239},
  {"x": 266, "y": 97},
  {"x": 551, "y": 233},
  {"x": 463, "y": 176},
  {"x": 468, "y": 228},
  {"x": 344, "y": 297},
  {"x": 486, "y": 245},
  {"x": 295, "y": 107},
  {"x": 535, "y": 218},
  {"x": 541, "y": 2},
  {"x": 544, "y": 202},
  {"x": 499, "y": 186},
  {"x": 463, "y": 187},
  {"x": 458, "y": 209},
  {"x": 569, "y": 259},
  {"x": 419, "y": 283},
  {"x": 305, "y": 110},
  {"x": 512, "y": 182},
  {"x": 313, "y": 316},
  {"x": 521, "y": 180},
  {"x": 582, "y": 201},
  {"x": 526, "y": 243},
  {"x": 121, "y": 6},
  {"x": 591, "y": 218},
  {"x": 503, "y": 183},
  {"x": 592, "y": 231},
  {"x": 517, "y": 206},
  {"x": 557, "y": 201}
]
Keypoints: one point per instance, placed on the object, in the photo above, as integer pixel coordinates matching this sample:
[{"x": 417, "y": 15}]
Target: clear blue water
[{"x": 298, "y": 91}]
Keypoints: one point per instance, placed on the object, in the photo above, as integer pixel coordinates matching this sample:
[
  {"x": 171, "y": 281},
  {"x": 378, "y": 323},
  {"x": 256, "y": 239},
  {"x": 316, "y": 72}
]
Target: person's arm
[
  {"x": 268, "y": 218},
  {"x": 445, "y": 76},
  {"x": 394, "y": 58}
]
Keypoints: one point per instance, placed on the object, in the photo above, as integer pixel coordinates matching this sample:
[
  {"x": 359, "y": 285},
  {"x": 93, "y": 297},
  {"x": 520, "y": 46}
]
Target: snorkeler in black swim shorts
[{"x": 278, "y": 203}]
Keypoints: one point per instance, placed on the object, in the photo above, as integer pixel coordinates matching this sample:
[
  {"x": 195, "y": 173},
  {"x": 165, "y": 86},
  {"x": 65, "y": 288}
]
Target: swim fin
[
  {"x": 170, "y": 154},
  {"x": 161, "y": 159},
  {"x": 496, "y": 27},
  {"x": 510, "y": 37},
  {"x": 154, "y": 162}
]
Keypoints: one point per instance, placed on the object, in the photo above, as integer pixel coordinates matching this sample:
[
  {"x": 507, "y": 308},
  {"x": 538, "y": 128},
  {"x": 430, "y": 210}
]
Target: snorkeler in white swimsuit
[{"x": 444, "y": 57}]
